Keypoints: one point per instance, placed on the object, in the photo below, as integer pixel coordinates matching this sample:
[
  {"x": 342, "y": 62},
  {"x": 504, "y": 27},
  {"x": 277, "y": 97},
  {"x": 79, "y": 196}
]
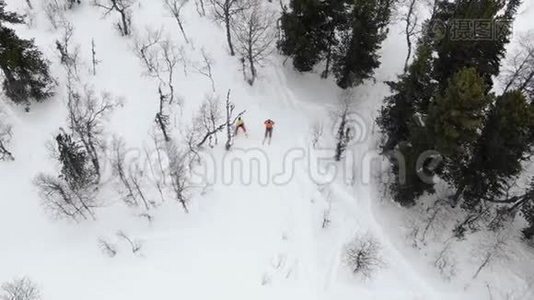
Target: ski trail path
[{"x": 305, "y": 236}]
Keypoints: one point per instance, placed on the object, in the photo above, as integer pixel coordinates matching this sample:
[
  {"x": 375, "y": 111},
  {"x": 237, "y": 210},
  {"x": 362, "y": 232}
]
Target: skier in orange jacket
[{"x": 269, "y": 124}]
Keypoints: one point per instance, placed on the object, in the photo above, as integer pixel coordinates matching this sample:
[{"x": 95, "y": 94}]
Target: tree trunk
[
  {"x": 228, "y": 31},
  {"x": 228, "y": 125},
  {"x": 252, "y": 67},
  {"x": 456, "y": 198},
  {"x": 161, "y": 124},
  {"x": 125, "y": 25}
]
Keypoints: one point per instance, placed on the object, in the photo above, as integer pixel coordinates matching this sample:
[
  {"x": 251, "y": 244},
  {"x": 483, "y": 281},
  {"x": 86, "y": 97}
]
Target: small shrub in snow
[
  {"x": 316, "y": 132},
  {"x": 135, "y": 245},
  {"x": 107, "y": 248},
  {"x": 19, "y": 289},
  {"x": 492, "y": 249},
  {"x": 445, "y": 262},
  {"x": 362, "y": 255}
]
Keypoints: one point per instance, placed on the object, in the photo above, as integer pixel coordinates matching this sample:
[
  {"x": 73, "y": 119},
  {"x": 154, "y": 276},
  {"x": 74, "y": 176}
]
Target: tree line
[{"x": 444, "y": 121}]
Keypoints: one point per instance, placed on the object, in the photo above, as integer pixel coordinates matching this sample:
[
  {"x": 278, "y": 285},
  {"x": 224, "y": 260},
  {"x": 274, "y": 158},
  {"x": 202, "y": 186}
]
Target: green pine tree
[
  {"x": 26, "y": 74},
  {"x": 75, "y": 169},
  {"x": 304, "y": 35},
  {"x": 455, "y": 121},
  {"x": 402, "y": 123},
  {"x": 411, "y": 95},
  {"x": 504, "y": 145},
  {"x": 458, "y": 48},
  {"x": 356, "y": 57}
]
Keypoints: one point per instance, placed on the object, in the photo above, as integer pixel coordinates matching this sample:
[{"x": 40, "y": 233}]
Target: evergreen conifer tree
[
  {"x": 505, "y": 143},
  {"x": 304, "y": 37},
  {"x": 476, "y": 33},
  {"x": 455, "y": 121},
  {"x": 356, "y": 57},
  {"x": 26, "y": 74}
]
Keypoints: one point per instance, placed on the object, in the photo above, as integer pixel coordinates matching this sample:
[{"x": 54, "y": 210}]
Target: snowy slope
[{"x": 243, "y": 239}]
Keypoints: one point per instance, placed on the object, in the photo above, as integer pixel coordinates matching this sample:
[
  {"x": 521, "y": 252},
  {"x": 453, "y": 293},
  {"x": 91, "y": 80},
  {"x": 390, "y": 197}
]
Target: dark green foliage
[
  {"x": 71, "y": 3},
  {"x": 411, "y": 95},
  {"x": 458, "y": 49},
  {"x": 303, "y": 33},
  {"x": 356, "y": 56},
  {"x": 455, "y": 121},
  {"x": 505, "y": 143},
  {"x": 410, "y": 172},
  {"x": 457, "y": 115},
  {"x": 346, "y": 34},
  {"x": 74, "y": 161},
  {"x": 9, "y": 17},
  {"x": 26, "y": 74},
  {"x": 528, "y": 212},
  {"x": 402, "y": 122}
]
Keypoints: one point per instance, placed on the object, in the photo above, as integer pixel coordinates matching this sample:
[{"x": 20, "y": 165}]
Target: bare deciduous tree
[
  {"x": 205, "y": 68},
  {"x": 496, "y": 247},
  {"x": 130, "y": 175},
  {"x": 343, "y": 135},
  {"x": 123, "y": 8},
  {"x": 317, "y": 130},
  {"x": 154, "y": 159},
  {"x": 519, "y": 71},
  {"x": 62, "y": 201},
  {"x": 87, "y": 112},
  {"x": 5, "y": 139},
  {"x": 209, "y": 121},
  {"x": 445, "y": 262},
  {"x": 55, "y": 12},
  {"x": 179, "y": 174},
  {"x": 224, "y": 12},
  {"x": 200, "y": 7},
  {"x": 162, "y": 119},
  {"x": 94, "y": 60},
  {"x": 107, "y": 248},
  {"x": 20, "y": 289},
  {"x": 362, "y": 255},
  {"x": 160, "y": 58},
  {"x": 410, "y": 30},
  {"x": 135, "y": 245},
  {"x": 68, "y": 53},
  {"x": 175, "y": 8},
  {"x": 170, "y": 57},
  {"x": 255, "y": 35},
  {"x": 230, "y": 121},
  {"x": 145, "y": 48}
]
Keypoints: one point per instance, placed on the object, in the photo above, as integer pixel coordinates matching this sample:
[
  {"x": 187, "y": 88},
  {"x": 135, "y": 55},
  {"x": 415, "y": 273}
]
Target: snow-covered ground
[{"x": 257, "y": 239}]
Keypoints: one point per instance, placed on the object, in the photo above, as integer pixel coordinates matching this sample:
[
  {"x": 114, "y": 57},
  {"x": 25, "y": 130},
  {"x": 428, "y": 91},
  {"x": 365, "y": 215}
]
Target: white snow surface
[{"x": 257, "y": 240}]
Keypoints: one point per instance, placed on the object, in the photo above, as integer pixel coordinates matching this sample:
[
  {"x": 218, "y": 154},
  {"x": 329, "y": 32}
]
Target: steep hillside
[{"x": 271, "y": 221}]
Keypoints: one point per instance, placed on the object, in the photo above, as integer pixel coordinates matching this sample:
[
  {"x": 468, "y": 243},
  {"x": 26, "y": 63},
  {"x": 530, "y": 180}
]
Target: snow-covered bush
[
  {"x": 362, "y": 255},
  {"x": 19, "y": 289}
]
